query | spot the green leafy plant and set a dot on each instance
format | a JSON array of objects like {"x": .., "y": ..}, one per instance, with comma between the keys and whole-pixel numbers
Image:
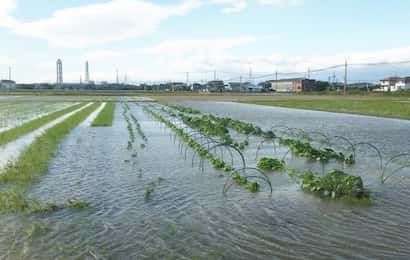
[
  {"x": 252, "y": 187},
  {"x": 238, "y": 179},
  {"x": 271, "y": 164},
  {"x": 187, "y": 110},
  {"x": 336, "y": 184}
]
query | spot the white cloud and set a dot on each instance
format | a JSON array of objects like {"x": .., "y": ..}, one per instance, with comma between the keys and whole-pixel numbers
[
  {"x": 178, "y": 48},
  {"x": 6, "y": 8},
  {"x": 96, "y": 23},
  {"x": 116, "y": 20},
  {"x": 199, "y": 47},
  {"x": 234, "y": 5},
  {"x": 280, "y": 2}
]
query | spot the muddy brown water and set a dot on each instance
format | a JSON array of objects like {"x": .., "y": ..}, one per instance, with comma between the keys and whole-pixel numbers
[{"x": 187, "y": 217}]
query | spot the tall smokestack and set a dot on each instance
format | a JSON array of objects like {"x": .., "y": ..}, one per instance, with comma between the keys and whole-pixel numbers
[
  {"x": 87, "y": 72},
  {"x": 59, "y": 72}
]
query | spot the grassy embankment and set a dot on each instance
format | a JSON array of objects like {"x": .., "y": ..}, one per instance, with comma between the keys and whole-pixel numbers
[
  {"x": 106, "y": 116},
  {"x": 32, "y": 163},
  {"x": 373, "y": 107},
  {"x": 16, "y": 132}
]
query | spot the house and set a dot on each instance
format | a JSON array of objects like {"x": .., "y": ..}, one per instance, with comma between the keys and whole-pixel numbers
[
  {"x": 198, "y": 87},
  {"x": 215, "y": 86},
  {"x": 235, "y": 87},
  {"x": 243, "y": 87},
  {"x": 7, "y": 84},
  {"x": 293, "y": 85},
  {"x": 392, "y": 84},
  {"x": 249, "y": 87}
]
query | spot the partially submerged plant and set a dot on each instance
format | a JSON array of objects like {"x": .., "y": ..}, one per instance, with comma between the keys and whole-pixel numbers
[
  {"x": 239, "y": 179},
  {"x": 271, "y": 164},
  {"x": 305, "y": 149},
  {"x": 252, "y": 186},
  {"x": 336, "y": 184},
  {"x": 184, "y": 109},
  {"x": 243, "y": 180},
  {"x": 150, "y": 190},
  {"x": 76, "y": 204},
  {"x": 15, "y": 201}
]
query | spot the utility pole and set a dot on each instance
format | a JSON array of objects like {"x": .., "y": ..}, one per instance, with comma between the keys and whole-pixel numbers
[
  {"x": 187, "y": 79},
  {"x": 308, "y": 75},
  {"x": 345, "y": 84},
  {"x": 276, "y": 81},
  {"x": 9, "y": 73},
  {"x": 250, "y": 73},
  {"x": 214, "y": 74}
]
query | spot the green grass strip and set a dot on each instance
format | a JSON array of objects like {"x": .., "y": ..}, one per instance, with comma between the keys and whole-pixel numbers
[
  {"x": 371, "y": 107},
  {"x": 34, "y": 160},
  {"x": 14, "y": 133},
  {"x": 106, "y": 116}
]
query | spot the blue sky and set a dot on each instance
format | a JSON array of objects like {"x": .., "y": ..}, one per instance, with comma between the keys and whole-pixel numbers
[{"x": 160, "y": 40}]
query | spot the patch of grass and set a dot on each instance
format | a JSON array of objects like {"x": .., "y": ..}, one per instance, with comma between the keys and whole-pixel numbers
[
  {"x": 372, "y": 107},
  {"x": 15, "y": 201},
  {"x": 106, "y": 116},
  {"x": 76, "y": 204},
  {"x": 34, "y": 160},
  {"x": 14, "y": 133}
]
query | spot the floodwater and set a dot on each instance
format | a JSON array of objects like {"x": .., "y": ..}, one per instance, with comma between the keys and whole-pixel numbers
[
  {"x": 9, "y": 152},
  {"x": 187, "y": 216}
]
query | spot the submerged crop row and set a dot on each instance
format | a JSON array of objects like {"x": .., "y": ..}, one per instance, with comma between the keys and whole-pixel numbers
[
  {"x": 34, "y": 160},
  {"x": 208, "y": 127},
  {"x": 131, "y": 133},
  {"x": 106, "y": 116},
  {"x": 336, "y": 184},
  {"x": 14, "y": 133},
  {"x": 32, "y": 163},
  {"x": 139, "y": 129},
  {"x": 214, "y": 125},
  {"x": 217, "y": 163}
]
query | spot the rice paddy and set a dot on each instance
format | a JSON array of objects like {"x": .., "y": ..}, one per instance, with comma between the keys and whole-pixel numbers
[{"x": 205, "y": 180}]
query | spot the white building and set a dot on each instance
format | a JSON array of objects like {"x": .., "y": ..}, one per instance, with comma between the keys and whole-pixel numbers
[
  {"x": 393, "y": 84},
  {"x": 7, "y": 84}
]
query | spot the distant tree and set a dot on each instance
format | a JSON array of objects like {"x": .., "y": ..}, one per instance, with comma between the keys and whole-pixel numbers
[{"x": 322, "y": 85}]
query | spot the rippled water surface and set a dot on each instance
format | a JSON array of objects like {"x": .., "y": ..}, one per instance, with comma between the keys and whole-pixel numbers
[{"x": 187, "y": 217}]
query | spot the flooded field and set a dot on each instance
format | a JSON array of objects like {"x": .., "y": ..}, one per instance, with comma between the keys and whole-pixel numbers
[
  {"x": 15, "y": 113},
  {"x": 150, "y": 196}
]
